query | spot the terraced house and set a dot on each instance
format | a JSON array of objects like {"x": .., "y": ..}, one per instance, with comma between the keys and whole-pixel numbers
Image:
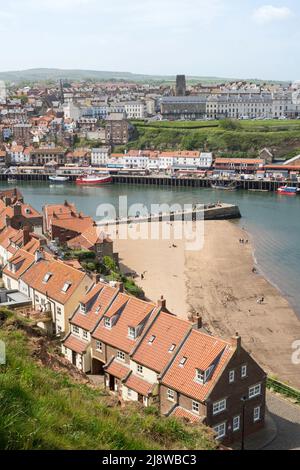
[{"x": 148, "y": 355}]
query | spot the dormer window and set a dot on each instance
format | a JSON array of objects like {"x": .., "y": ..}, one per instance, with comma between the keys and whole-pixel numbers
[
  {"x": 107, "y": 322},
  {"x": 152, "y": 339},
  {"x": 66, "y": 287},
  {"x": 183, "y": 361},
  {"x": 131, "y": 332},
  {"x": 172, "y": 348},
  {"x": 199, "y": 376},
  {"x": 47, "y": 277},
  {"x": 82, "y": 308}
]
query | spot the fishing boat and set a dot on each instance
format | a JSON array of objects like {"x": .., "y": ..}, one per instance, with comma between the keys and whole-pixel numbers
[
  {"x": 94, "y": 179},
  {"x": 288, "y": 190},
  {"x": 12, "y": 180},
  {"x": 226, "y": 187},
  {"x": 58, "y": 179}
]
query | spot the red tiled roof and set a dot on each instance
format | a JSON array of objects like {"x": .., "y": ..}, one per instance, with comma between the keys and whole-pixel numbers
[
  {"x": 201, "y": 351},
  {"x": 75, "y": 344},
  {"x": 74, "y": 223},
  {"x": 117, "y": 369},
  {"x": 134, "y": 312},
  {"x": 168, "y": 330},
  {"x": 181, "y": 413},
  {"x": 22, "y": 260},
  {"x": 60, "y": 274},
  {"x": 90, "y": 319},
  {"x": 139, "y": 385}
]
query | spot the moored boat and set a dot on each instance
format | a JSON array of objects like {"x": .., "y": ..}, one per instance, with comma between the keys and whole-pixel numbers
[
  {"x": 288, "y": 190},
  {"x": 94, "y": 179},
  {"x": 12, "y": 180},
  {"x": 224, "y": 186},
  {"x": 58, "y": 179}
]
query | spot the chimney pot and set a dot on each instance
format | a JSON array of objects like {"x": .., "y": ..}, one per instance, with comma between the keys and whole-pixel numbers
[
  {"x": 162, "y": 303},
  {"x": 236, "y": 341}
]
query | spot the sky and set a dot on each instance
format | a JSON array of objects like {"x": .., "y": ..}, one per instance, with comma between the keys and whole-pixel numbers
[{"x": 224, "y": 38}]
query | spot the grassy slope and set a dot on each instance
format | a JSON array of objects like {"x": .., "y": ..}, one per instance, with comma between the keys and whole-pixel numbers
[
  {"x": 249, "y": 137},
  {"x": 44, "y": 409}
]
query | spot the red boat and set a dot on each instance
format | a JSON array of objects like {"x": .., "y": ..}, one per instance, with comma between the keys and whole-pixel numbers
[
  {"x": 94, "y": 179},
  {"x": 288, "y": 190}
]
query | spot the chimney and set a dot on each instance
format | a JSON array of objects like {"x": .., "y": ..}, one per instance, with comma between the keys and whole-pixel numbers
[
  {"x": 7, "y": 221},
  {"x": 162, "y": 303},
  {"x": 26, "y": 235},
  {"x": 95, "y": 277},
  {"x": 199, "y": 322},
  {"x": 236, "y": 342},
  {"x": 17, "y": 209},
  {"x": 120, "y": 286}
]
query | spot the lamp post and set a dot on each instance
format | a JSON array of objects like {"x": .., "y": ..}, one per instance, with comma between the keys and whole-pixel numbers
[{"x": 244, "y": 400}]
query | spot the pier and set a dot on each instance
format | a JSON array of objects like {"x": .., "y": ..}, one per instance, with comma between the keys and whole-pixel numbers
[
  {"x": 259, "y": 185},
  {"x": 219, "y": 211}
]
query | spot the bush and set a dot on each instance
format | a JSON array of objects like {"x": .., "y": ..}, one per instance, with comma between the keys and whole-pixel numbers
[{"x": 229, "y": 125}]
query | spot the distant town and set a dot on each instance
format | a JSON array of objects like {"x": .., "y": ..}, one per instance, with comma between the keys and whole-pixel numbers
[{"x": 68, "y": 127}]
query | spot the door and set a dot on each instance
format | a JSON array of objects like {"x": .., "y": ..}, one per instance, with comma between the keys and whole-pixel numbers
[
  {"x": 111, "y": 383},
  {"x": 74, "y": 356}
]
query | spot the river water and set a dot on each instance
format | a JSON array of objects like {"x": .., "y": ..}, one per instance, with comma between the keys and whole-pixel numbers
[{"x": 273, "y": 221}]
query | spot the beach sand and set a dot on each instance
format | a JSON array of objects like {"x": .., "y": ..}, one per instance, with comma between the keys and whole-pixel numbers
[{"x": 218, "y": 283}]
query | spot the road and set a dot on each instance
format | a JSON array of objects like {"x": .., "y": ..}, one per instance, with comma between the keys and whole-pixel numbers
[{"x": 287, "y": 418}]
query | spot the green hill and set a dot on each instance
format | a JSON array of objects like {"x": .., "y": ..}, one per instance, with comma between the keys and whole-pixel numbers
[
  {"x": 43, "y": 406},
  {"x": 54, "y": 74},
  {"x": 241, "y": 138}
]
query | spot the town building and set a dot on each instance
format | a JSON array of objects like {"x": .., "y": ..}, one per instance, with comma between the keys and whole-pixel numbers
[
  {"x": 183, "y": 107},
  {"x": 180, "y": 89},
  {"x": 99, "y": 156},
  {"x": 116, "y": 129}
]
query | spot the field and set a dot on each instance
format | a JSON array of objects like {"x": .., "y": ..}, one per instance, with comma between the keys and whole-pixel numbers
[
  {"x": 244, "y": 138},
  {"x": 43, "y": 407}
]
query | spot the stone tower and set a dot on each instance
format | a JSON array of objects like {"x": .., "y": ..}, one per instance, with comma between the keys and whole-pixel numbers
[{"x": 180, "y": 85}]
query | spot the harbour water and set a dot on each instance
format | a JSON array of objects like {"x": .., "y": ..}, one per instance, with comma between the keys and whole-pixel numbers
[{"x": 272, "y": 221}]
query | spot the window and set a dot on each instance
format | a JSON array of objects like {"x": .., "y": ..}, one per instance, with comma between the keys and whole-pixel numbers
[
  {"x": 220, "y": 430},
  {"x": 59, "y": 329},
  {"x": 107, "y": 322},
  {"x": 66, "y": 287},
  {"x": 84, "y": 334},
  {"x": 36, "y": 297},
  {"x": 199, "y": 376},
  {"x": 98, "y": 346},
  {"x": 131, "y": 332},
  {"x": 66, "y": 350},
  {"x": 244, "y": 371},
  {"x": 82, "y": 308},
  {"x": 236, "y": 423},
  {"x": 47, "y": 277},
  {"x": 172, "y": 348},
  {"x": 256, "y": 414},
  {"x": 140, "y": 369},
  {"x": 183, "y": 361},
  {"x": 129, "y": 393},
  {"x": 219, "y": 406},
  {"x": 121, "y": 355},
  {"x": 195, "y": 407},
  {"x": 254, "y": 391},
  {"x": 75, "y": 330},
  {"x": 231, "y": 376},
  {"x": 171, "y": 394},
  {"x": 152, "y": 339},
  {"x": 58, "y": 311}
]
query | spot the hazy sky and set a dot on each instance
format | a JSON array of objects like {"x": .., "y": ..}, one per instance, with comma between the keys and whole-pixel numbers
[{"x": 228, "y": 38}]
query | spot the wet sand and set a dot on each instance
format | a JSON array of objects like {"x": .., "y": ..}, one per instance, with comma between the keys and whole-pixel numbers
[{"x": 218, "y": 283}]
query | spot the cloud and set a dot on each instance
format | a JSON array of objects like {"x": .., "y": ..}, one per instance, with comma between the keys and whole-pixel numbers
[{"x": 269, "y": 13}]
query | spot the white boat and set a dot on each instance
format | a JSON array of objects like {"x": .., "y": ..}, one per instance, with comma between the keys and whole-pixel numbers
[
  {"x": 12, "y": 180},
  {"x": 58, "y": 179}
]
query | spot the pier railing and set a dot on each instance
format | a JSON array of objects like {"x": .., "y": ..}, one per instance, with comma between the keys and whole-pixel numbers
[{"x": 284, "y": 389}]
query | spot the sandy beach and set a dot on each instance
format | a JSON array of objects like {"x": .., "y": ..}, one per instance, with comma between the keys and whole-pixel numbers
[{"x": 218, "y": 283}]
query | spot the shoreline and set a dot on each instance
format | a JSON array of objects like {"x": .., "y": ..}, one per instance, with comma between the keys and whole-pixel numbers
[{"x": 218, "y": 283}]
